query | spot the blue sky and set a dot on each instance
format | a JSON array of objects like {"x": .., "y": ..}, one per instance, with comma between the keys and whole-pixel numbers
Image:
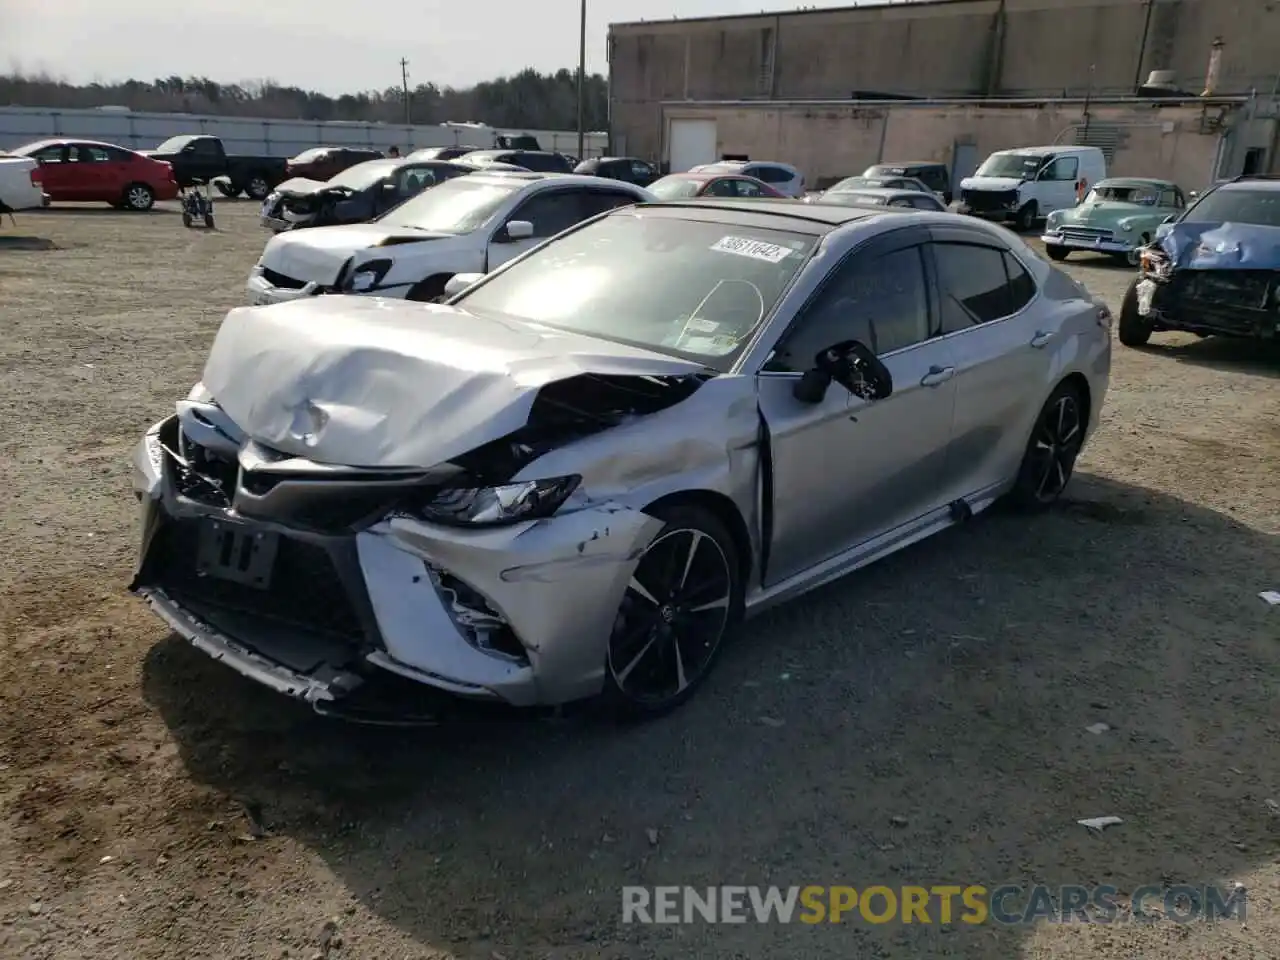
[{"x": 330, "y": 45}]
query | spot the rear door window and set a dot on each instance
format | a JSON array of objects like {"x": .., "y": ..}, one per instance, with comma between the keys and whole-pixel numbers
[{"x": 975, "y": 285}]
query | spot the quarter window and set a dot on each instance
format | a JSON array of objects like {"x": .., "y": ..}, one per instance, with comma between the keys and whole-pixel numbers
[
  {"x": 879, "y": 300},
  {"x": 979, "y": 284}
]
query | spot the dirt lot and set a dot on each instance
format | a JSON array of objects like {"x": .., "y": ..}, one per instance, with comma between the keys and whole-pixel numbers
[{"x": 923, "y": 722}]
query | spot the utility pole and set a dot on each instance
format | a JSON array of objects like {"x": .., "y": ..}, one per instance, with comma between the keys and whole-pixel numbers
[
  {"x": 582, "y": 82},
  {"x": 404, "y": 80}
]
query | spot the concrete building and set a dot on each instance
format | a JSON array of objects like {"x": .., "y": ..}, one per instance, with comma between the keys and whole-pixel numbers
[{"x": 817, "y": 87}]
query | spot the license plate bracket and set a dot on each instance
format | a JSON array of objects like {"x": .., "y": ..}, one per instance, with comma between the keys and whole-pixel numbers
[{"x": 237, "y": 552}]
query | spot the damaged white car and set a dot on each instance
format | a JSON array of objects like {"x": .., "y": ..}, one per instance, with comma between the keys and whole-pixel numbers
[
  {"x": 471, "y": 224},
  {"x": 571, "y": 480}
]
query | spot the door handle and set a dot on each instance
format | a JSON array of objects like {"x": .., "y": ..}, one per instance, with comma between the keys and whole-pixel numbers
[
  {"x": 937, "y": 375},
  {"x": 1041, "y": 339}
]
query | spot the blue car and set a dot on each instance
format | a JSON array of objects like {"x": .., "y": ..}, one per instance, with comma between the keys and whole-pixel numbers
[{"x": 1214, "y": 269}]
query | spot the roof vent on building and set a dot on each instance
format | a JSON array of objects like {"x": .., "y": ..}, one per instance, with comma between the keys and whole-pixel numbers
[{"x": 1162, "y": 83}]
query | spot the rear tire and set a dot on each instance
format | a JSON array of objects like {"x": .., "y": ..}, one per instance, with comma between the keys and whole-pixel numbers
[
  {"x": 186, "y": 219},
  {"x": 1051, "y": 451},
  {"x": 1057, "y": 253},
  {"x": 1133, "y": 330},
  {"x": 208, "y": 220},
  {"x": 683, "y": 597}
]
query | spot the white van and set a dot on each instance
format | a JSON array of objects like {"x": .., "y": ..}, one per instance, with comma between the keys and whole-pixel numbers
[{"x": 1029, "y": 183}]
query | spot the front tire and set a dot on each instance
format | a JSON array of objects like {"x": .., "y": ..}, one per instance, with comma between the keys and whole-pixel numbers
[
  {"x": 140, "y": 197},
  {"x": 682, "y": 598},
  {"x": 257, "y": 188},
  {"x": 1056, "y": 252},
  {"x": 1133, "y": 329},
  {"x": 1051, "y": 452},
  {"x": 1026, "y": 218}
]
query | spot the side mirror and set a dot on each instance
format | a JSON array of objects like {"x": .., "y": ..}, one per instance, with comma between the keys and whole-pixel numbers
[
  {"x": 518, "y": 230},
  {"x": 459, "y": 282},
  {"x": 1193, "y": 194},
  {"x": 851, "y": 364}
]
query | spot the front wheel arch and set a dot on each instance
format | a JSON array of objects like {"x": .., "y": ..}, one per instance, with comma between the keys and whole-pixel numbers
[
  {"x": 430, "y": 289},
  {"x": 724, "y": 510}
]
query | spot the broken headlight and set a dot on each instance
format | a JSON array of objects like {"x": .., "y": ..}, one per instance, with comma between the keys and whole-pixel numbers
[
  {"x": 1155, "y": 264},
  {"x": 492, "y": 506},
  {"x": 366, "y": 276}
]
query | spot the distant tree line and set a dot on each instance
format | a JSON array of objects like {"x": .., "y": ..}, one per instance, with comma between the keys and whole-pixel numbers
[{"x": 528, "y": 99}]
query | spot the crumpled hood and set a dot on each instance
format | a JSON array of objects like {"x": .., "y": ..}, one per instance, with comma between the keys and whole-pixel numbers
[
  {"x": 302, "y": 187},
  {"x": 1222, "y": 246},
  {"x": 372, "y": 382},
  {"x": 990, "y": 183},
  {"x": 317, "y": 255}
]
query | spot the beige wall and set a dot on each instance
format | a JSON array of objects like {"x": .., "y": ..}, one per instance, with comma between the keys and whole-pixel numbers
[
  {"x": 841, "y": 141},
  {"x": 941, "y": 49}
]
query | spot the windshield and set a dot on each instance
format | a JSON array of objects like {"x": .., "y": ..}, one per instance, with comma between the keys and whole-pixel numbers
[
  {"x": 861, "y": 197},
  {"x": 675, "y": 188},
  {"x": 456, "y": 206},
  {"x": 685, "y": 287},
  {"x": 1130, "y": 193},
  {"x": 1021, "y": 165},
  {"x": 880, "y": 171},
  {"x": 1258, "y": 207},
  {"x": 855, "y": 183},
  {"x": 174, "y": 144},
  {"x": 364, "y": 175}
]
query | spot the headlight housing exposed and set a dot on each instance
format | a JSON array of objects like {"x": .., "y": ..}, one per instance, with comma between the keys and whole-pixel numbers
[
  {"x": 498, "y": 505},
  {"x": 1155, "y": 264},
  {"x": 366, "y": 276}
]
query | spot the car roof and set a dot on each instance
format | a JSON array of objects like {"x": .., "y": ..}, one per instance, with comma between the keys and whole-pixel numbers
[
  {"x": 530, "y": 176},
  {"x": 907, "y": 163},
  {"x": 1134, "y": 182},
  {"x": 73, "y": 141},
  {"x": 1245, "y": 183},
  {"x": 783, "y": 214},
  {"x": 1052, "y": 148}
]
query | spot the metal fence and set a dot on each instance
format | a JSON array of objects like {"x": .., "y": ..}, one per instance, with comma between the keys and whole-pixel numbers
[{"x": 248, "y": 135}]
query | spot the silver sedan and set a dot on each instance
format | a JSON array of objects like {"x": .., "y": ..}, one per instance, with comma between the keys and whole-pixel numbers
[{"x": 573, "y": 479}]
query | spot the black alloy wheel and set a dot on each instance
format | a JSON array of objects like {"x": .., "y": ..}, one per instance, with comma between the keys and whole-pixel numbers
[
  {"x": 1051, "y": 453},
  {"x": 670, "y": 625}
]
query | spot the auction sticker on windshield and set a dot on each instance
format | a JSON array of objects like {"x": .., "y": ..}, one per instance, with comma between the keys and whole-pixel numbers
[{"x": 756, "y": 249}]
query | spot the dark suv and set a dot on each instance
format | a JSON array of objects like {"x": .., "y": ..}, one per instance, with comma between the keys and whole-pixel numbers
[
  {"x": 628, "y": 169},
  {"x": 539, "y": 161},
  {"x": 933, "y": 175}
]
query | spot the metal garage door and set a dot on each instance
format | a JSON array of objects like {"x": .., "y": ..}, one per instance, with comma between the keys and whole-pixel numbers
[{"x": 691, "y": 142}]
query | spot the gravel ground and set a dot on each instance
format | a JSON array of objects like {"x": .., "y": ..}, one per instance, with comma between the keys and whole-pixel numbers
[{"x": 921, "y": 722}]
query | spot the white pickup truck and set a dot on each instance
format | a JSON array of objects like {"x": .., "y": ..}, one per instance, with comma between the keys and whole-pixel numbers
[{"x": 20, "y": 187}]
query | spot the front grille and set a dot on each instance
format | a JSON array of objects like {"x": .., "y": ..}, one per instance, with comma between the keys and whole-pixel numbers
[
  {"x": 1236, "y": 289},
  {"x": 1086, "y": 234},
  {"x": 984, "y": 200},
  {"x": 205, "y": 477},
  {"x": 277, "y": 279},
  {"x": 305, "y": 589}
]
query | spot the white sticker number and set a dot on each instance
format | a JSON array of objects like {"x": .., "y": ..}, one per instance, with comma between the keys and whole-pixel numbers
[{"x": 756, "y": 249}]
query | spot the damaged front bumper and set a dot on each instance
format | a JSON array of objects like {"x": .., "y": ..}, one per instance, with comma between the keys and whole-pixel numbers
[
  {"x": 1231, "y": 302},
  {"x": 517, "y": 614}
]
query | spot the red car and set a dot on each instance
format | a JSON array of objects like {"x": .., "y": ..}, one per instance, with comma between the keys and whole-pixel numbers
[
  {"x": 685, "y": 186},
  {"x": 89, "y": 170},
  {"x": 323, "y": 163}
]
